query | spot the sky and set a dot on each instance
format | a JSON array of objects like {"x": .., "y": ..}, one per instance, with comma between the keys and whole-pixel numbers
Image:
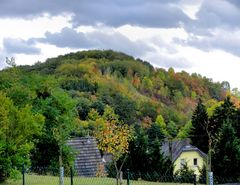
[{"x": 200, "y": 36}]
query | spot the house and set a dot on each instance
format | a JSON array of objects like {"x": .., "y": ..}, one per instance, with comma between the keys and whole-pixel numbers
[
  {"x": 88, "y": 157},
  {"x": 181, "y": 152}
]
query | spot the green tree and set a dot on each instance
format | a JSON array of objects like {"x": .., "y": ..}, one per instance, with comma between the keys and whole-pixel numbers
[
  {"x": 161, "y": 124},
  {"x": 21, "y": 95},
  {"x": 83, "y": 107},
  {"x": 224, "y": 124},
  {"x": 199, "y": 131},
  {"x": 147, "y": 85},
  {"x": 185, "y": 174},
  {"x": 145, "y": 155},
  {"x": 18, "y": 128},
  {"x": 226, "y": 157},
  {"x": 155, "y": 159},
  {"x": 137, "y": 157},
  {"x": 172, "y": 129},
  {"x": 185, "y": 131},
  {"x": 147, "y": 109},
  {"x": 222, "y": 113},
  {"x": 125, "y": 108},
  {"x": 59, "y": 111}
]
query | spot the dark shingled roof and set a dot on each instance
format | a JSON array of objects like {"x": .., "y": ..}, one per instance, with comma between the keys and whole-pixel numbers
[
  {"x": 88, "y": 155},
  {"x": 178, "y": 147}
]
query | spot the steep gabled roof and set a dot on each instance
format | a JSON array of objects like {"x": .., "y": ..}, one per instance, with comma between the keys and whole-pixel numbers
[
  {"x": 88, "y": 155},
  {"x": 178, "y": 147}
]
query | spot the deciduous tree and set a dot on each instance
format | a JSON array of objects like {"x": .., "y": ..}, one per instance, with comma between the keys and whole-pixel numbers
[
  {"x": 18, "y": 128},
  {"x": 114, "y": 138}
]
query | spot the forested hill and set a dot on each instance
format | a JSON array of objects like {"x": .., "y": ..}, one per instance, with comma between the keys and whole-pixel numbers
[
  {"x": 136, "y": 90},
  {"x": 79, "y": 93}
]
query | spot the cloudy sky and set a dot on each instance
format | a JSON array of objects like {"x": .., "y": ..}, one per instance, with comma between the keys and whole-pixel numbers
[{"x": 201, "y": 36}]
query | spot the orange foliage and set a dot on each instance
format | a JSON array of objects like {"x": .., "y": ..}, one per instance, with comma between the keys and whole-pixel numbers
[
  {"x": 188, "y": 104},
  {"x": 146, "y": 122},
  {"x": 136, "y": 81},
  {"x": 195, "y": 84},
  {"x": 236, "y": 101}
]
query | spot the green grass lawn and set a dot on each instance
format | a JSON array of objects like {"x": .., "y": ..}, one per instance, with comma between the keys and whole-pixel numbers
[{"x": 51, "y": 180}]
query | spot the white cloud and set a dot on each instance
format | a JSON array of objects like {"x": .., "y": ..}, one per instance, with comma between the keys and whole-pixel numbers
[
  {"x": 190, "y": 7},
  {"x": 47, "y": 51},
  {"x": 2, "y": 59},
  {"x": 217, "y": 64},
  {"x": 25, "y": 29},
  {"x": 166, "y": 61}
]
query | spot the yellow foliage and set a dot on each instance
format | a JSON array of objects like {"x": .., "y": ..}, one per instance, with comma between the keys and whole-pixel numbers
[
  {"x": 212, "y": 105},
  {"x": 80, "y": 123},
  {"x": 114, "y": 138}
]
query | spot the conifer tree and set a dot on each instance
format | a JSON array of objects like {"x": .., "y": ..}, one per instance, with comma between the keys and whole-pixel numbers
[
  {"x": 198, "y": 133},
  {"x": 226, "y": 158},
  {"x": 227, "y": 111}
]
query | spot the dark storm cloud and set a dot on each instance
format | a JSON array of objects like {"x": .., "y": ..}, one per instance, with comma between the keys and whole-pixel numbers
[
  {"x": 67, "y": 38},
  {"x": 235, "y": 2},
  {"x": 214, "y": 14},
  {"x": 119, "y": 42},
  {"x": 19, "y": 46},
  {"x": 95, "y": 40},
  {"x": 222, "y": 41},
  {"x": 217, "y": 13},
  {"x": 216, "y": 26},
  {"x": 155, "y": 13},
  {"x": 141, "y": 14}
]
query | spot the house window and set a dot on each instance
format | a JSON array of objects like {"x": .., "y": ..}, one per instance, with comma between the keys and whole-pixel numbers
[
  {"x": 195, "y": 162},
  {"x": 182, "y": 163}
]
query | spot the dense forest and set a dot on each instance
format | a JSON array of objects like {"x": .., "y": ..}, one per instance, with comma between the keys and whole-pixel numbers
[{"x": 72, "y": 95}]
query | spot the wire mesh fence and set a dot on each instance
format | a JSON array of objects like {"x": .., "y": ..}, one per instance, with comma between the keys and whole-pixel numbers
[{"x": 50, "y": 176}]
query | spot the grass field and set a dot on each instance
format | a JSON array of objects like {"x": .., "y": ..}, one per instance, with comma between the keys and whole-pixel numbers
[{"x": 51, "y": 180}]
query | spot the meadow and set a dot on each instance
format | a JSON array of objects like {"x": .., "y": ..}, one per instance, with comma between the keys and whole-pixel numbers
[{"x": 54, "y": 180}]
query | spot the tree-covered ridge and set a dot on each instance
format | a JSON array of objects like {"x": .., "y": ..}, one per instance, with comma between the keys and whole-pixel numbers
[
  {"x": 111, "y": 73},
  {"x": 72, "y": 93}
]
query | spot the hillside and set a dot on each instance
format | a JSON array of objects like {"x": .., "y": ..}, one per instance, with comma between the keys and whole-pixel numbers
[
  {"x": 68, "y": 92},
  {"x": 136, "y": 91}
]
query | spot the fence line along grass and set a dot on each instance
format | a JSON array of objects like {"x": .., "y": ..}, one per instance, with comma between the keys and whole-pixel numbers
[{"x": 31, "y": 179}]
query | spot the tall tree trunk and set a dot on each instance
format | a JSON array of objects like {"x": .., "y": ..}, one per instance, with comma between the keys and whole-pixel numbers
[
  {"x": 117, "y": 173},
  {"x": 121, "y": 177}
]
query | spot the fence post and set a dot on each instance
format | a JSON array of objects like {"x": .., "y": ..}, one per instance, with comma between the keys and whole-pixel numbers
[
  {"x": 211, "y": 180},
  {"x": 61, "y": 177},
  {"x": 195, "y": 180},
  {"x": 71, "y": 173},
  {"x": 23, "y": 174},
  {"x": 128, "y": 177}
]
